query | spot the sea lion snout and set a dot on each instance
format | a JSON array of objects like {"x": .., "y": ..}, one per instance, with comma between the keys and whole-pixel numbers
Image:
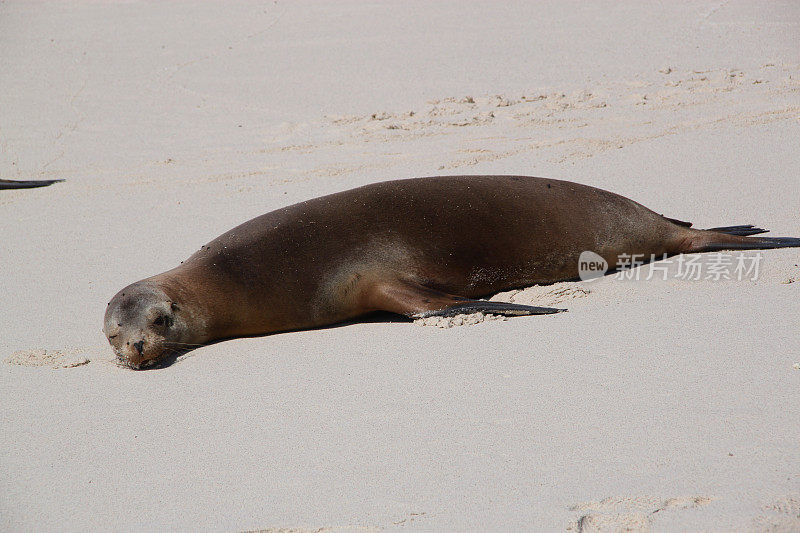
[{"x": 133, "y": 354}]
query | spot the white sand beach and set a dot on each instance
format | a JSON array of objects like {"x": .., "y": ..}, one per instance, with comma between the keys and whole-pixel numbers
[{"x": 652, "y": 405}]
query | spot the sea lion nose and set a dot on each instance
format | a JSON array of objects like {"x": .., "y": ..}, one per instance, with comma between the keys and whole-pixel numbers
[{"x": 138, "y": 346}]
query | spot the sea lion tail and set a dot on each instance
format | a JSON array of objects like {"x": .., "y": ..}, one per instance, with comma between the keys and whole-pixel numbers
[{"x": 737, "y": 238}]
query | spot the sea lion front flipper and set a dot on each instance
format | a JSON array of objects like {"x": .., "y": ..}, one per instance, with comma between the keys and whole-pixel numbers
[
  {"x": 494, "y": 308},
  {"x": 417, "y": 301}
]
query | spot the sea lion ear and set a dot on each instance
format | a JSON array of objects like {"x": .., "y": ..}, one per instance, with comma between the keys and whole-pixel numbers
[{"x": 174, "y": 306}]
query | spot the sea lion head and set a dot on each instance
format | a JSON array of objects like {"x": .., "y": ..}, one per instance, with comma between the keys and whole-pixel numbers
[{"x": 143, "y": 324}]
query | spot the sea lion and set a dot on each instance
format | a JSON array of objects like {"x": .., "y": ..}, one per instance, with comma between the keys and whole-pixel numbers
[{"x": 417, "y": 247}]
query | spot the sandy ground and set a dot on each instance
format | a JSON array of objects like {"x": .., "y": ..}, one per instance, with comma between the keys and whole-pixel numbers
[{"x": 665, "y": 405}]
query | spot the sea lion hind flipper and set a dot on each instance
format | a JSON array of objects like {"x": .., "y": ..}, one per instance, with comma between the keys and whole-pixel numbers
[
  {"x": 753, "y": 243},
  {"x": 735, "y": 238},
  {"x": 418, "y": 301},
  {"x": 744, "y": 230}
]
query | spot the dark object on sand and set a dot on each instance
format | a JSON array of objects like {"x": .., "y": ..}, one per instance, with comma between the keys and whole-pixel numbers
[{"x": 14, "y": 184}]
